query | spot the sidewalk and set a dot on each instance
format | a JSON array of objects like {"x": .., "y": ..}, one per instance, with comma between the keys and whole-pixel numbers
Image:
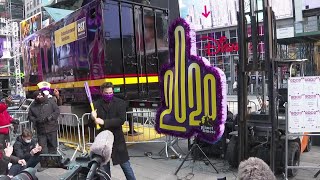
[{"x": 146, "y": 168}]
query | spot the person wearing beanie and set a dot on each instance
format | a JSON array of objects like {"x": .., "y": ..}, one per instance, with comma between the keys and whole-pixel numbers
[{"x": 255, "y": 168}]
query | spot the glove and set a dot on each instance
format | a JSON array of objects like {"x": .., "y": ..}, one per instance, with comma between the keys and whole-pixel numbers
[
  {"x": 15, "y": 122},
  {"x": 49, "y": 118}
]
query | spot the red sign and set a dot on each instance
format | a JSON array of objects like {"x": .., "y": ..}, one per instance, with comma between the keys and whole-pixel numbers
[{"x": 219, "y": 46}]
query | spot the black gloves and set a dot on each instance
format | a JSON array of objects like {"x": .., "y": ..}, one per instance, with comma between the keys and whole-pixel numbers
[
  {"x": 15, "y": 122},
  {"x": 49, "y": 118}
]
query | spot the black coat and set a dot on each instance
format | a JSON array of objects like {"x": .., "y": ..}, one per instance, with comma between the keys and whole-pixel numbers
[
  {"x": 44, "y": 116},
  {"x": 114, "y": 116},
  {"x": 21, "y": 149}
]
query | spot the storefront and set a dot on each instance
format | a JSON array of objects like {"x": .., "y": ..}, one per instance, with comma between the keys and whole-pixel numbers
[{"x": 221, "y": 48}]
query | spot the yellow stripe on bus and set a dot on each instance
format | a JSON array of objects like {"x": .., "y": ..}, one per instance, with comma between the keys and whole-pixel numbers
[{"x": 98, "y": 82}]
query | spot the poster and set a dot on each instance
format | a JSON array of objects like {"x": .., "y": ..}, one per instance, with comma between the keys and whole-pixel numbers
[
  {"x": 304, "y": 104},
  {"x": 30, "y": 25}
]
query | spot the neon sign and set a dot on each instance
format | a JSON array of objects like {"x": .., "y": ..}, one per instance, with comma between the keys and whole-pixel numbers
[
  {"x": 193, "y": 100},
  {"x": 219, "y": 46}
]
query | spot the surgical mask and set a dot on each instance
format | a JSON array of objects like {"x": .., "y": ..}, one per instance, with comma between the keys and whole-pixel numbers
[
  {"x": 107, "y": 97},
  {"x": 27, "y": 141},
  {"x": 46, "y": 92}
]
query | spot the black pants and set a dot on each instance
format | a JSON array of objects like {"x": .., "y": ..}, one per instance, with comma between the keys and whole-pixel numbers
[
  {"x": 48, "y": 142},
  {"x": 3, "y": 139},
  {"x": 17, "y": 168}
]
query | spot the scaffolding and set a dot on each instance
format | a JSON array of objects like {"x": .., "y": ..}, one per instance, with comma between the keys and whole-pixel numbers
[{"x": 13, "y": 12}]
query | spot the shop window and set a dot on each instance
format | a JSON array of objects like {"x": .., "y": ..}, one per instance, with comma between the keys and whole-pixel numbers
[
  {"x": 217, "y": 35},
  {"x": 233, "y": 33}
]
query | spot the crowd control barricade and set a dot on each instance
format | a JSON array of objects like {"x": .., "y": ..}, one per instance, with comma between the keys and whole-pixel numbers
[
  {"x": 16, "y": 130},
  {"x": 142, "y": 121},
  {"x": 20, "y": 115},
  {"x": 88, "y": 134},
  {"x": 69, "y": 132},
  {"x": 233, "y": 106}
]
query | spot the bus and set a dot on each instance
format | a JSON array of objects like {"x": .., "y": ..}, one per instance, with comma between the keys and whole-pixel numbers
[{"x": 116, "y": 41}]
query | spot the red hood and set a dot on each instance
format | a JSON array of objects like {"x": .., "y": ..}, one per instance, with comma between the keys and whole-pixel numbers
[{"x": 3, "y": 107}]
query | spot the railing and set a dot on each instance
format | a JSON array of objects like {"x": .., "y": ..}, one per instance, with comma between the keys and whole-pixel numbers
[
  {"x": 233, "y": 106},
  {"x": 141, "y": 121},
  {"x": 307, "y": 27},
  {"x": 69, "y": 132}
]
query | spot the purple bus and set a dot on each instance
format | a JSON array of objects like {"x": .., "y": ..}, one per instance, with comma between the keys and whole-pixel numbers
[{"x": 104, "y": 41}]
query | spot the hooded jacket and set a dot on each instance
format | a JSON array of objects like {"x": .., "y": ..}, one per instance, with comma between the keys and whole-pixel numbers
[
  {"x": 21, "y": 149},
  {"x": 5, "y": 118}
]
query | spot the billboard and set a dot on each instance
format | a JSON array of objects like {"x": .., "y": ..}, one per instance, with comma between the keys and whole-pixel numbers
[
  {"x": 213, "y": 14},
  {"x": 70, "y": 33},
  {"x": 30, "y": 25}
]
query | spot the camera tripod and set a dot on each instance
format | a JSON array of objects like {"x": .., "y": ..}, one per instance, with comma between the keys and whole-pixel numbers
[{"x": 195, "y": 145}]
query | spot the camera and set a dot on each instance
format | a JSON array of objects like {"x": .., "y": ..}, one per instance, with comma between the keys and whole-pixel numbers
[{"x": 27, "y": 174}]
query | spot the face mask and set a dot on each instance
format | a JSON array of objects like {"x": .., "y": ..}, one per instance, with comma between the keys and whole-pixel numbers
[
  {"x": 40, "y": 100},
  {"x": 27, "y": 141},
  {"x": 107, "y": 97},
  {"x": 46, "y": 92}
]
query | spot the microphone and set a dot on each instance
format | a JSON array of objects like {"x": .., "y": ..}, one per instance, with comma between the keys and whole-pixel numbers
[
  {"x": 100, "y": 151},
  {"x": 94, "y": 164}
]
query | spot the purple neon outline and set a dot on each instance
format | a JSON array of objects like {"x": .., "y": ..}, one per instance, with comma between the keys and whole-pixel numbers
[{"x": 221, "y": 107}]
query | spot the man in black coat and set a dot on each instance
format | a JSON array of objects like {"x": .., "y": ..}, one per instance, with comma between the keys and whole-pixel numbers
[
  {"x": 25, "y": 148},
  {"x": 44, "y": 115},
  {"x": 110, "y": 114}
]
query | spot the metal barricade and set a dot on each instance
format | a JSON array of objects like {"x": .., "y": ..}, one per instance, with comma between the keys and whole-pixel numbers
[
  {"x": 20, "y": 115},
  {"x": 233, "y": 106},
  {"x": 142, "y": 121},
  {"x": 69, "y": 131},
  {"x": 88, "y": 134},
  {"x": 16, "y": 130}
]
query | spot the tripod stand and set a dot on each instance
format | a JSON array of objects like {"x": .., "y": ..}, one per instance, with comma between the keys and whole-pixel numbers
[
  {"x": 317, "y": 174},
  {"x": 193, "y": 147}
]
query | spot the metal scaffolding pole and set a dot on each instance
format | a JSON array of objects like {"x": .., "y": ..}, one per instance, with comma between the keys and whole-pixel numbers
[{"x": 12, "y": 27}]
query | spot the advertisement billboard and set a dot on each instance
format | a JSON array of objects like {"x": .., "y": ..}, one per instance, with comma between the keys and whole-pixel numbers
[
  {"x": 30, "y": 25},
  {"x": 70, "y": 33},
  {"x": 209, "y": 14}
]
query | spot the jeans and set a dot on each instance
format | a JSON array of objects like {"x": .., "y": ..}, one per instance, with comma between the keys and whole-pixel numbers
[{"x": 126, "y": 168}]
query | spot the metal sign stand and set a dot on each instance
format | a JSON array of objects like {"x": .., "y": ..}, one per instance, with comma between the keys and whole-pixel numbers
[{"x": 300, "y": 132}]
